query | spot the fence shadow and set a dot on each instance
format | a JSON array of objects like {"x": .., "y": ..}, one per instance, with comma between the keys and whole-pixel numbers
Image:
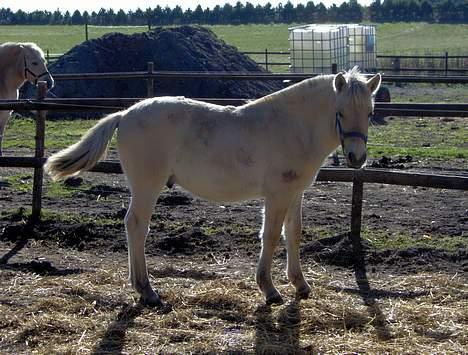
[
  {"x": 43, "y": 268},
  {"x": 20, "y": 244}
]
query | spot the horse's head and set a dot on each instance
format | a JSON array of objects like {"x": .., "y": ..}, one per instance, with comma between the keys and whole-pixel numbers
[
  {"x": 354, "y": 105},
  {"x": 32, "y": 60}
]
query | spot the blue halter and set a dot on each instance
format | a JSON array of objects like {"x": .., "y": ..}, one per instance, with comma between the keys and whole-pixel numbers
[
  {"x": 36, "y": 77},
  {"x": 343, "y": 135}
]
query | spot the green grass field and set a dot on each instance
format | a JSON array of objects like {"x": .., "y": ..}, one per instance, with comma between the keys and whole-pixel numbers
[
  {"x": 441, "y": 139},
  {"x": 391, "y": 37}
]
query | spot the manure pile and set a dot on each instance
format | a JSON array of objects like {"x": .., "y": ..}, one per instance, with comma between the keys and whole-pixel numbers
[{"x": 185, "y": 48}]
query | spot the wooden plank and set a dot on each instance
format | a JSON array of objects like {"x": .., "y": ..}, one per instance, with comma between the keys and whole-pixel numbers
[
  {"x": 114, "y": 104},
  {"x": 460, "y": 79},
  {"x": 370, "y": 176},
  {"x": 39, "y": 153},
  {"x": 356, "y": 217}
]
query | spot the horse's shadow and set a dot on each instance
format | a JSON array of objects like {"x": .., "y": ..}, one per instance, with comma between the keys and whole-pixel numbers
[
  {"x": 278, "y": 335},
  {"x": 114, "y": 338}
]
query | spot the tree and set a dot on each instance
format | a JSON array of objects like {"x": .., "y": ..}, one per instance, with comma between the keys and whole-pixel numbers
[
  {"x": 67, "y": 18},
  {"x": 309, "y": 15},
  {"x": 427, "y": 12},
  {"x": 355, "y": 12},
  {"x": 322, "y": 15},
  {"x": 76, "y": 18},
  {"x": 375, "y": 11},
  {"x": 177, "y": 15},
  {"x": 289, "y": 14},
  {"x": 121, "y": 18},
  {"x": 228, "y": 11},
  {"x": 85, "y": 17},
  {"x": 198, "y": 16}
]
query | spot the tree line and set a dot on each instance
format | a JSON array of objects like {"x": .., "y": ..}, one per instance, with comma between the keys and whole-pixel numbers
[{"x": 444, "y": 11}]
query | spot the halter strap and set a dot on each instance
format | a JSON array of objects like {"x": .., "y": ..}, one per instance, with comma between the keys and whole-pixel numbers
[
  {"x": 27, "y": 70},
  {"x": 343, "y": 135}
]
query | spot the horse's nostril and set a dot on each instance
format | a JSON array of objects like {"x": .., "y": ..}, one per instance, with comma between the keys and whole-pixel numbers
[{"x": 351, "y": 157}]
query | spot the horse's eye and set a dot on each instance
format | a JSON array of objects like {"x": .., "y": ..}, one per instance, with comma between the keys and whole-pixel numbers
[{"x": 34, "y": 63}]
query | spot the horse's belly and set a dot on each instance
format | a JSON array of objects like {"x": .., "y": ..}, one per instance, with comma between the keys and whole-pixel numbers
[{"x": 218, "y": 185}]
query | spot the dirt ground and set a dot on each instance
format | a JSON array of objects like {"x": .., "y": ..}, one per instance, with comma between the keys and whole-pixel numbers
[{"x": 216, "y": 247}]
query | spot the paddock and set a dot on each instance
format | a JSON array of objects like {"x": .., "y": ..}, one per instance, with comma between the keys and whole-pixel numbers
[{"x": 61, "y": 295}]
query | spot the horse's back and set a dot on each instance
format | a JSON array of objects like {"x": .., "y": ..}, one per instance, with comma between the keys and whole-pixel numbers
[{"x": 205, "y": 148}]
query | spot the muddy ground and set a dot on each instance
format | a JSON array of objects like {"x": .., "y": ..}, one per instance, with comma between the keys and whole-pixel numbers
[
  {"x": 86, "y": 231},
  {"x": 92, "y": 219}
]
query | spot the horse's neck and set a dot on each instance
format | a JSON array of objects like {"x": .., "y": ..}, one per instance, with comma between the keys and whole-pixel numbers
[
  {"x": 10, "y": 78},
  {"x": 309, "y": 96},
  {"x": 314, "y": 103}
]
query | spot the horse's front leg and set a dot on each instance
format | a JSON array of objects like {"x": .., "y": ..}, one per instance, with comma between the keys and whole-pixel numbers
[
  {"x": 293, "y": 231},
  {"x": 137, "y": 226},
  {"x": 275, "y": 210}
]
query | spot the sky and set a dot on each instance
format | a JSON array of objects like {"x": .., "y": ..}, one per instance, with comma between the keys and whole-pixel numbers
[{"x": 93, "y": 5}]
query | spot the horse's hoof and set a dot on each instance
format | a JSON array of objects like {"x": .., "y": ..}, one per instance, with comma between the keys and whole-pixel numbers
[
  {"x": 303, "y": 293},
  {"x": 153, "y": 301},
  {"x": 274, "y": 299}
]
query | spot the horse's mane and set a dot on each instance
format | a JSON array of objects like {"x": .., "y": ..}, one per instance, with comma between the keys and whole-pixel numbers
[
  {"x": 356, "y": 83},
  {"x": 8, "y": 46},
  {"x": 357, "y": 86}
]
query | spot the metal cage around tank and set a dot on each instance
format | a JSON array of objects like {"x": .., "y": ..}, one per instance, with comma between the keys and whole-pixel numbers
[{"x": 314, "y": 48}]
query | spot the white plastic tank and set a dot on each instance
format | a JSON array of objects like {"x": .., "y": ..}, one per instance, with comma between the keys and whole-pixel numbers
[
  {"x": 362, "y": 46},
  {"x": 314, "y": 48}
]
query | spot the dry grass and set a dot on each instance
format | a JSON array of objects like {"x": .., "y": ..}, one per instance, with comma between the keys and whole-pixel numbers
[{"x": 217, "y": 308}]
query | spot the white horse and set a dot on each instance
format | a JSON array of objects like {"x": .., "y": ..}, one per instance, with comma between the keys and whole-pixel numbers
[
  {"x": 19, "y": 62},
  {"x": 272, "y": 147}
]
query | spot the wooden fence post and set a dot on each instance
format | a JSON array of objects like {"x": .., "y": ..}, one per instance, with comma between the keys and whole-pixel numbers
[
  {"x": 150, "y": 80},
  {"x": 266, "y": 59},
  {"x": 446, "y": 63},
  {"x": 39, "y": 153},
  {"x": 356, "y": 215}
]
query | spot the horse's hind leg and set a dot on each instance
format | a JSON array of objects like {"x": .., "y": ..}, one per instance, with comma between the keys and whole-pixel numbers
[
  {"x": 293, "y": 231},
  {"x": 275, "y": 210},
  {"x": 144, "y": 194},
  {"x": 4, "y": 115}
]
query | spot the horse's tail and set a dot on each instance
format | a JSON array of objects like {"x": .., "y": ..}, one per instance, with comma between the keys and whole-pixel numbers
[{"x": 84, "y": 154}]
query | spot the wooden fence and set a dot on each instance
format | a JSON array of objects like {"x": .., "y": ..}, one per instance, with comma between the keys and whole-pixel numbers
[
  {"x": 151, "y": 74},
  {"x": 357, "y": 177},
  {"x": 443, "y": 64}
]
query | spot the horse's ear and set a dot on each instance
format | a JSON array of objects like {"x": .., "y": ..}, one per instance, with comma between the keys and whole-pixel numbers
[
  {"x": 339, "y": 82},
  {"x": 374, "y": 83}
]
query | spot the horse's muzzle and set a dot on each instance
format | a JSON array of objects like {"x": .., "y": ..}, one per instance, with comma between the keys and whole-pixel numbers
[
  {"x": 355, "y": 163},
  {"x": 50, "y": 82}
]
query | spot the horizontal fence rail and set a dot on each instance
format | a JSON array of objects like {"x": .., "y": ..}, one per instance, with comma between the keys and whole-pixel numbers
[
  {"x": 367, "y": 175},
  {"x": 460, "y": 79},
  {"x": 111, "y": 104}
]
